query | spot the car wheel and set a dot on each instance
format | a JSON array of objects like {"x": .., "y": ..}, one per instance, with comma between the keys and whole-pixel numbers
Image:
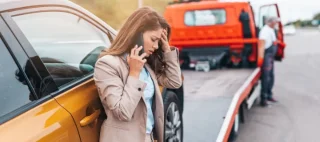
[{"x": 173, "y": 125}]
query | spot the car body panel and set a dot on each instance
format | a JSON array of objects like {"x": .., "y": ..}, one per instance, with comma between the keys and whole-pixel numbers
[
  {"x": 85, "y": 101},
  {"x": 44, "y": 123}
]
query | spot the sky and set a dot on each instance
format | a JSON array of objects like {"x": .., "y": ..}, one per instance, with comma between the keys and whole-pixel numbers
[{"x": 291, "y": 10}]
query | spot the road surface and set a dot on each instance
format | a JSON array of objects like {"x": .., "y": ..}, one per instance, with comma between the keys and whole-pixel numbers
[{"x": 296, "y": 118}]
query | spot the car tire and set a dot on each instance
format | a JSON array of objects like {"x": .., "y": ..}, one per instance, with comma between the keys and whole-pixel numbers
[{"x": 173, "y": 121}]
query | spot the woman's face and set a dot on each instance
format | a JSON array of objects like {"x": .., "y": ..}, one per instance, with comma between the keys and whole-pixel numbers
[{"x": 151, "y": 40}]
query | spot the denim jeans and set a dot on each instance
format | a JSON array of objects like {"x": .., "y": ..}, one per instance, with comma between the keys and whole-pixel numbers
[{"x": 267, "y": 77}]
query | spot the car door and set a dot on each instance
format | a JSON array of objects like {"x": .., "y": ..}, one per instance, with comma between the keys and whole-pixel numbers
[
  {"x": 273, "y": 10},
  {"x": 24, "y": 115},
  {"x": 68, "y": 43}
]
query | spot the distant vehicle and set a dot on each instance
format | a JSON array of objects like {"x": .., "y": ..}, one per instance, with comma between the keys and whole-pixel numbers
[
  {"x": 289, "y": 30},
  {"x": 221, "y": 33}
]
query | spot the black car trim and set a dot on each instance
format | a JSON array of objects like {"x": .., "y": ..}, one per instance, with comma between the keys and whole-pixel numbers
[
  {"x": 14, "y": 48},
  {"x": 31, "y": 53}
]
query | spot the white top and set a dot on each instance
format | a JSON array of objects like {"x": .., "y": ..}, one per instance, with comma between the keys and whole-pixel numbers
[{"x": 268, "y": 35}]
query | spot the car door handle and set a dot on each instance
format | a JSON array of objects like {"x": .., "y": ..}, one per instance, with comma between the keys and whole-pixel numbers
[{"x": 89, "y": 119}]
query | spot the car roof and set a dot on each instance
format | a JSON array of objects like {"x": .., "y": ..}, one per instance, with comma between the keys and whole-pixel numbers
[
  {"x": 8, "y": 5},
  {"x": 11, "y": 5}
]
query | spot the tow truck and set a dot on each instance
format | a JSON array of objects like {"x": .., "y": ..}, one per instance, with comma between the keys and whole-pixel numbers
[{"x": 223, "y": 34}]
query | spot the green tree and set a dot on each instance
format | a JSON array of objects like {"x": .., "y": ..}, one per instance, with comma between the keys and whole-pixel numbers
[{"x": 316, "y": 17}]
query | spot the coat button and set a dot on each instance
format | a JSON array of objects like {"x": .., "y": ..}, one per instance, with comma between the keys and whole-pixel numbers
[{"x": 139, "y": 89}]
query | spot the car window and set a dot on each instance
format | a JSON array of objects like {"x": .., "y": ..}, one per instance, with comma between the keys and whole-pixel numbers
[
  {"x": 67, "y": 44},
  {"x": 205, "y": 17},
  {"x": 14, "y": 90}
]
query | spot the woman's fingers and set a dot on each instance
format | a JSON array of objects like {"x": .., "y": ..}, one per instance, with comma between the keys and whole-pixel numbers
[
  {"x": 166, "y": 32},
  {"x": 143, "y": 56},
  {"x": 133, "y": 50},
  {"x": 164, "y": 36},
  {"x": 138, "y": 50},
  {"x": 144, "y": 61}
]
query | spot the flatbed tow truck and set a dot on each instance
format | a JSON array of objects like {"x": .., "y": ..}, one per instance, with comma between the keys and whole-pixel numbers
[{"x": 225, "y": 43}]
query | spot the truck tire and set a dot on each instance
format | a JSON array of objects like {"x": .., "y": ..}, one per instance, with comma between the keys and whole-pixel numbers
[
  {"x": 173, "y": 121},
  {"x": 235, "y": 129},
  {"x": 242, "y": 113}
]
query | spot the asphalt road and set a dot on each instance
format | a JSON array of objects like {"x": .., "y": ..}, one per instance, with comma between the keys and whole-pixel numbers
[{"x": 296, "y": 118}]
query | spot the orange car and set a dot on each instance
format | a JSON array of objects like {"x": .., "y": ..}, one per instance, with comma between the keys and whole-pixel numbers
[
  {"x": 48, "y": 49},
  {"x": 207, "y": 30}
]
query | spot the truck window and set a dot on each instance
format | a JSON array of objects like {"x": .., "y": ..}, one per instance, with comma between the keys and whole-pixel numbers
[{"x": 205, "y": 17}]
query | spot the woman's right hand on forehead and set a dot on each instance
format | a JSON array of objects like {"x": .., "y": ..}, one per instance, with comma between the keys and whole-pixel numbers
[{"x": 136, "y": 62}]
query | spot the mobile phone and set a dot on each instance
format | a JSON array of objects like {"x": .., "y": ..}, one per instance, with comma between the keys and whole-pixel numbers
[{"x": 140, "y": 43}]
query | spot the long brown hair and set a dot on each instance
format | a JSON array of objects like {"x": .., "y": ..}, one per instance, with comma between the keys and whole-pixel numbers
[{"x": 142, "y": 20}]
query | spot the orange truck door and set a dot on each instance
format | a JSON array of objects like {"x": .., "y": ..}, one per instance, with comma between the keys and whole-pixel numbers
[{"x": 273, "y": 10}]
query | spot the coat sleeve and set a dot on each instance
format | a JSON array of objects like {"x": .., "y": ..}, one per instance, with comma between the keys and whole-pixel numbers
[
  {"x": 120, "y": 97},
  {"x": 172, "y": 76}
]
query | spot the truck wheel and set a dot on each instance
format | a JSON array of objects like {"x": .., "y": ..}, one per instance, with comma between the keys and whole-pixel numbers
[
  {"x": 242, "y": 110},
  {"x": 186, "y": 62},
  {"x": 235, "y": 129},
  {"x": 173, "y": 125}
]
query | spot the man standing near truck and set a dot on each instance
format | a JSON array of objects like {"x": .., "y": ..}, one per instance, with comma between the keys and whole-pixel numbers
[{"x": 268, "y": 34}]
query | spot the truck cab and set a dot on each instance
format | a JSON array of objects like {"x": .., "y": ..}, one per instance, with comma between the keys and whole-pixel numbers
[{"x": 222, "y": 33}]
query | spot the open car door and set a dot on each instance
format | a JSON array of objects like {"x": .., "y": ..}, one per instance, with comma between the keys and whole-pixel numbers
[{"x": 273, "y": 10}]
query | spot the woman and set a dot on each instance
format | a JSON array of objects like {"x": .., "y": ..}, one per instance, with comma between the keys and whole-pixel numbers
[{"x": 128, "y": 82}]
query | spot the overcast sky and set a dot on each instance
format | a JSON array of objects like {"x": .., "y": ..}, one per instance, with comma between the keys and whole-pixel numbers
[{"x": 291, "y": 10}]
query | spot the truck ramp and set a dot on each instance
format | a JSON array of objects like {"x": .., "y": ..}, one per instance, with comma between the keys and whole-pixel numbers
[{"x": 209, "y": 98}]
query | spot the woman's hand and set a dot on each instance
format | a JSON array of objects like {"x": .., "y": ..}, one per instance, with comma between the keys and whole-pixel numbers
[
  {"x": 165, "y": 44},
  {"x": 136, "y": 62}
]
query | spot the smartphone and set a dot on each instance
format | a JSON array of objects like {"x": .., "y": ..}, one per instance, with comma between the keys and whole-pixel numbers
[{"x": 140, "y": 43}]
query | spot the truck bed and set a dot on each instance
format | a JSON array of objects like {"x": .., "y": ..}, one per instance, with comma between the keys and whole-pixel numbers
[{"x": 211, "y": 98}]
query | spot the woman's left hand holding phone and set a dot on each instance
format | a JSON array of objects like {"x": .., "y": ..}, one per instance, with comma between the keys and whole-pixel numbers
[{"x": 136, "y": 62}]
